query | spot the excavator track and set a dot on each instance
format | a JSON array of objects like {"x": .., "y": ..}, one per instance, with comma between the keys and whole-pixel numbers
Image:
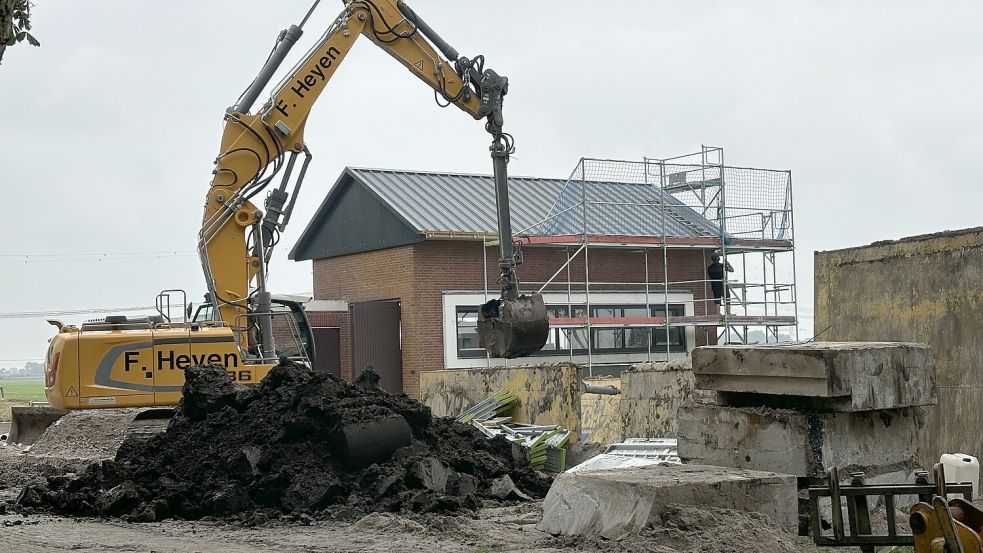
[{"x": 147, "y": 424}]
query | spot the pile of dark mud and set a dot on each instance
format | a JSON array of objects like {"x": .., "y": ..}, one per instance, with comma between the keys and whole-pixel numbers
[{"x": 252, "y": 453}]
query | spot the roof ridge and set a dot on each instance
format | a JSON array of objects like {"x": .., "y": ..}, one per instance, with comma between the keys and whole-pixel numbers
[
  {"x": 443, "y": 173},
  {"x": 485, "y": 175}
]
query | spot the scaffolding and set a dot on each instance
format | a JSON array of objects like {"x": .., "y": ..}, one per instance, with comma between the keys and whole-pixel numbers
[{"x": 658, "y": 206}]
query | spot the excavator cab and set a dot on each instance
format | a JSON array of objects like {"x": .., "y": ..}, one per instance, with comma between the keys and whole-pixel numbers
[{"x": 290, "y": 325}]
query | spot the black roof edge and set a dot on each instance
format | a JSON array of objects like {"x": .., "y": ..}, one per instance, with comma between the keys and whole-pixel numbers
[
  {"x": 351, "y": 173},
  {"x": 354, "y": 172},
  {"x": 322, "y": 209}
]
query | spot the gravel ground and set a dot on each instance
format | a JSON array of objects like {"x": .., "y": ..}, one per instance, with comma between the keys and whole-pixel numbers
[{"x": 493, "y": 530}]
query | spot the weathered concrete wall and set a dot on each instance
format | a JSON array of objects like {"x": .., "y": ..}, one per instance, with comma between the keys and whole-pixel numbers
[
  {"x": 548, "y": 394},
  {"x": 925, "y": 289},
  {"x": 600, "y": 417},
  {"x": 651, "y": 394},
  {"x": 803, "y": 444}
]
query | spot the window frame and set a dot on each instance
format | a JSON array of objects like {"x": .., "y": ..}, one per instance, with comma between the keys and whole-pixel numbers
[{"x": 562, "y": 335}]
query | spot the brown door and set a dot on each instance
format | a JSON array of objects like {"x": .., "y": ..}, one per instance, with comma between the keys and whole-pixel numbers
[
  {"x": 375, "y": 342},
  {"x": 327, "y": 344}
]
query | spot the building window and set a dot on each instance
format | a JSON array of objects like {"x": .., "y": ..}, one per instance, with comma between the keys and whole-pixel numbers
[
  {"x": 633, "y": 340},
  {"x": 604, "y": 340},
  {"x": 675, "y": 335},
  {"x": 467, "y": 332},
  {"x": 557, "y": 339}
]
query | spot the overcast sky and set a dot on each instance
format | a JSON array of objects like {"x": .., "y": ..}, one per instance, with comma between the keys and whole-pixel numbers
[{"x": 109, "y": 129}]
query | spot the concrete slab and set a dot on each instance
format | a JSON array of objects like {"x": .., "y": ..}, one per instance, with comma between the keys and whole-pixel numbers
[
  {"x": 651, "y": 393},
  {"x": 616, "y": 503},
  {"x": 803, "y": 444},
  {"x": 842, "y": 376}
]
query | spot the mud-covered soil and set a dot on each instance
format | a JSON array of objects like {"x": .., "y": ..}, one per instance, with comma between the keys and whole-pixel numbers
[
  {"x": 252, "y": 454},
  {"x": 18, "y": 469},
  {"x": 684, "y": 530}
]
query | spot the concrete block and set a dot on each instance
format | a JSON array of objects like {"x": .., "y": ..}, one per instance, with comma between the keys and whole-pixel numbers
[
  {"x": 841, "y": 376},
  {"x": 616, "y": 503},
  {"x": 651, "y": 393},
  {"x": 803, "y": 444}
]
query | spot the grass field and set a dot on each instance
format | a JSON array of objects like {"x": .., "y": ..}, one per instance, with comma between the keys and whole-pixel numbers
[{"x": 18, "y": 391}]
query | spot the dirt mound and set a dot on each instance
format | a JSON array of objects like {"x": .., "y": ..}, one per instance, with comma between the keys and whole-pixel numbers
[{"x": 270, "y": 450}]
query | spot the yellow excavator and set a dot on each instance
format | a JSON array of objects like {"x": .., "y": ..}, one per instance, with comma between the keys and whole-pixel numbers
[{"x": 124, "y": 362}]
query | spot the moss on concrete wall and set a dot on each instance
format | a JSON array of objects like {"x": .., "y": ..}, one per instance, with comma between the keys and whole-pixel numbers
[
  {"x": 600, "y": 414},
  {"x": 921, "y": 289},
  {"x": 552, "y": 394},
  {"x": 548, "y": 394}
]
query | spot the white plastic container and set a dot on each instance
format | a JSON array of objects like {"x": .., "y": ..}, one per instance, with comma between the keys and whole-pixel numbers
[{"x": 960, "y": 467}]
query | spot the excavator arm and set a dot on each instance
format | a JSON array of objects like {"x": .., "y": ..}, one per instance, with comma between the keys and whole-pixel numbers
[{"x": 237, "y": 237}]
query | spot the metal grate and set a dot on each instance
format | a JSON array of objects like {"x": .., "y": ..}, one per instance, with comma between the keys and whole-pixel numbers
[
  {"x": 858, "y": 528},
  {"x": 631, "y": 453}
]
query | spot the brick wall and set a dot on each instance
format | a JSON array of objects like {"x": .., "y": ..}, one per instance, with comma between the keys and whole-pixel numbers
[{"x": 418, "y": 274}]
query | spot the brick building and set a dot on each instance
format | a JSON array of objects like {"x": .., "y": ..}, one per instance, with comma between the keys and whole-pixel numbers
[{"x": 402, "y": 259}]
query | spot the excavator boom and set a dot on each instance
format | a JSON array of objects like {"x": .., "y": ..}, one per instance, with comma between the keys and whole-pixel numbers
[
  {"x": 123, "y": 362},
  {"x": 237, "y": 237}
]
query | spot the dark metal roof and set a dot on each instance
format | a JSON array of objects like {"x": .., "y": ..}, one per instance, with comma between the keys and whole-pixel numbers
[
  {"x": 433, "y": 203},
  {"x": 448, "y": 202}
]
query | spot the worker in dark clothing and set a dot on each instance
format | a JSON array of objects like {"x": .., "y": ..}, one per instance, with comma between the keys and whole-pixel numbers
[{"x": 718, "y": 280}]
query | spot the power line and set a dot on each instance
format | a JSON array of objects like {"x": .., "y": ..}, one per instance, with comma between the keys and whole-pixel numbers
[
  {"x": 63, "y": 312},
  {"x": 67, "y": 254},
  {"x": 73, "y": 257}
]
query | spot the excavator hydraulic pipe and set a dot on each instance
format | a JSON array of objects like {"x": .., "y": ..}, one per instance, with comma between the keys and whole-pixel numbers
[
  {"x": 510, "y": 288},
  {"x": 428, "y": 31},
  {"x": 290, "y": 37}
]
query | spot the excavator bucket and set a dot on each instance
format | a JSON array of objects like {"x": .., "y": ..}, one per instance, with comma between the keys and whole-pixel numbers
[
  {"x": 360, "y": 444},
  {"x": 28, "y": 423},
  {"x": 513, "y": 328}
]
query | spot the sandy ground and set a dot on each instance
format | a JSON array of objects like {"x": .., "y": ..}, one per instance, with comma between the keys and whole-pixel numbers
[
  {"x": 493, "y": 530},
  {"x": 376, "y": 533}
]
